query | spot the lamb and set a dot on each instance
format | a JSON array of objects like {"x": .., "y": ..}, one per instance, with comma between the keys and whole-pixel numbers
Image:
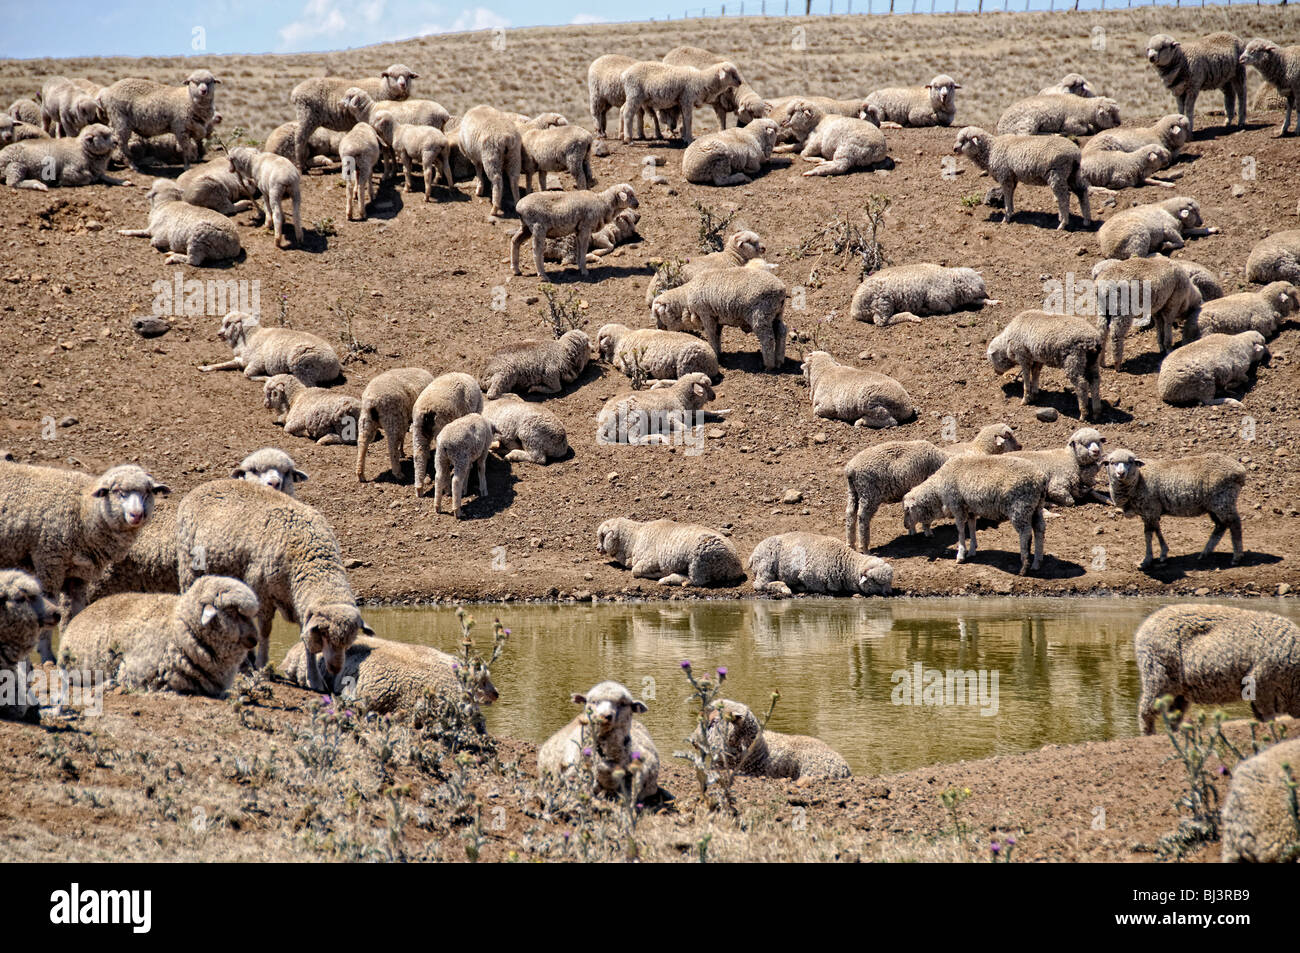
[
  {"x": 654, "y": 86},
  {"x": 37, "y": 164},
  {"x": 151, "y": 109},
  {"x": 445, "y": 399},
  {"x": 1261, "y": 311},
  {"x": 264, "y": 352},
  {"x": 1211, "y": 62},
  {"x": 543, "y": 367},
  {"x": 1280, "y": 66},
  {"x": 746, "y": 298},
  {"x": 192, "y": 644},
  {"x": 1071, "y": 471},
  {"x": 621, "y": 229},
  {"x": 655, "y": 415},
  {"x": 544, "y": 215},
  {"x": 741, "y": 100},
  {"x": 26, "y": 111},
  {"x": 730, "y": 157},
  {"x": 407, "y": 112},
  {"x": 216, "y": 186},
  {"x": 934, "y": 104},
  {"x": 1275, "y": 258},
  {"x": 15, "y": 130},
  {"x": 277, "y": 179},
  {"x": 1258, "y": 819},
  {"x": 658, "y": 355},
  {"x": 316, "y": 413},
  {"x": 492, "y": 142},
  {"x": 319, "y": 103},
  {"x": 271, "y": 467},
  {"x": 1065, "y": 114},
  {"x": 463, "y": 444},
  {"x": 1034, "y": 160},
  {"x": 1113, "y": 170},
  {"x": 1071, "y": 84},
  {"x": 623, "y": 755},
  {"x": 1189, "y": 486},
  {"x": 390, "y": 676},
  {"x": 359, "y": 151},
  {"x": 1216, "y": 655},
  {"x": 1157, "y": 286},
  {"x": 906, "y": 292},
  {"x": 1036, "y": 339},
  {"x": 66, "y": 527},
  {"x": 675, "y": 554},
  {"x": 525, "y": 432},
  {"x": 386, "y": 406},
  {"x": 166, "y": 150},
  {"x": 856, "y": 395},
  {"x": 806, "y": 561},
  {"x": 24, "y": 614},
  {"x": 1146, "y": 229},
  {"x": 1171, "y": 132},
  {"x": 741, "y": 248},
  {"x": 838, "y": 144},
  {"x": 605, "y": 88},
  {"x": 974, "y": 486},
  {"x": 285, "y": 551},
  {"x": 67, "y": 108},
  {"x": 547, "y": 147},
  {"x": 750, "y": 749},
  {"x": 1197, "y": 371},
  {"x": 322, "y": 145},
  {"x": 423, "y": 144},
  {"x": 192, "y": 235}
]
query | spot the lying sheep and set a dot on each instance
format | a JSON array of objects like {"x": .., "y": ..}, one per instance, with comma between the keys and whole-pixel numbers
[
  {"x": 1211, "y": 62},
  {"x": 1072, "y": 84},
  {"x": 264, "y": 352},
  {"x": 1036, "y": 339},
  {"x": 655, "y": 354},
  {"x": 616, "y": 743},
  {"x": 1033, "y": 160},
  {"x": 1112, "y": 170},
  {"x": 544, "y": 215},
  {"x": 192, "y": 235},
  {"x": 445, "y": 399},
  {"x": 1171, "y": 132},
  {"x": 855, "y": 395},
  {"x": 812, "y": 563},
  {"x": 192, "y": 643},
  {"x": 1275, "y": 258},
  {"x": 674, "y": 554},
  {"x": 359, "y": 151},
  {"x": 386, "y": 406},
  {"x": 621, "y": 229},
  {"x": 524, "y": 431},
  {"x": 1258, "y": 822},
  {"x": 67, "y": 108},
  {"x": 463, "y": 444},
  {"x": 656, "y": 86},
  {"x": 1280, "y": 66},
  {"x": 856, "y": 108},
  {"x": 741, "y": 248},
  {"x": 1146, "y": 229},
  {"x": 542, "y": 367},
  {"x": 1071, "y": 471},
  {"x": 1197, "y": 371},
  {"x": 322, "y": 145},
  {"x": 1065, "y": 114},
  {"x": 934, "y": 104},
  {"x": 555, "y": 148},
  {"x": 1128, "y": 287},
  {"x": 26, "y": 111},
  {"x": 216, "y": 186},
  {"x": 24, "y": 614},
  {"x": 906, "y": 292},
  {"x": 1214, "y": 655},
  {"x": 38, "y": 164},
  {"x": 730, "y": 157},
  {"x": 492, "y": 142},
  {"x": 750, "y": 749},
  {"x": 1189, "y": 486},
  {"x": 655, "y": 415},
  {"x": 745, "y": 298},
  {"x": 741, "y": 100},
  {"x": 319, "y": 103},
  {"x": 271, "y": 467},
  {"x": 147, "y": 108},
  {"x": 15, "y": 130},
  {"x": 838, "y": 144},
  {"x": 277, "y": 179},
  {"x": 316, "y": 413},
  {"x": 1263, "y": 311}
]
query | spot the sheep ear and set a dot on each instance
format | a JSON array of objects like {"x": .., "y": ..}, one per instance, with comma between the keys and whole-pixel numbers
[
  {"x": 639, "y": 708},
  {"x": 722, "y": 74},
  {"x": 1000, "y": 440},
  {"x": 698, "y": 389},
  {"x": 99, "y": 492},
  {"x": 209, "y": 613},
  {"x": 299, "y": 476},
  {"x": 956, "y": 85},
  {"x": 366, "y": 629},
  {"x": 237, "y": 473},
  {"x": 414, "y": 76},
  {"x": 579, "y": 699},
  {"x": 1183, "y": 213},
  {"x": 161, "y": 489}
]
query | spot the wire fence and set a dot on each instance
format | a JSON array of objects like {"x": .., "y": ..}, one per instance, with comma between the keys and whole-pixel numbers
[{"x": 785, "y": 8}]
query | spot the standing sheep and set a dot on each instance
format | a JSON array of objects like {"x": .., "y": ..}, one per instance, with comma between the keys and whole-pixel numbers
[
  {"x": 838, "y": 144},
  {"x": 1280, "y": 66},
  {"x": 359, "y": 151},
  {"x": 1211, "y": 62},
  {"x": 463, "y": 444},
  {"x": 1259, "y": 816},
  {"x": 525, "y": 431},
  {"x": 623, "y": 755},
  {"x": 655, "y": 415},
  {"x": 855, "y": 395},
  {"x": 1195, "y": 372},
  {"x": 745, "y": 298},
  {"x": 406, "y": 112},
  {"x": 674, "y": 554},
  {"x": 751, "y": 750},
  {"x": 264, "y": 352},
  {"x": 741, "y": 248},
  {"x": 1034, "y": 160},
  {"x": 150, "y": 109},
  {"x": 37, "y": 164},
  {"x": 445, "y": 399},
  {"x": 806, "y": 561},
  {"x": 1071, "y": 471},
  {"x": 656, "y": 86},
  {"x": 386, "y": 406},
  {"x": 316, "y": 413},
  {"x": 24, "y": 614},
  {"x": 544, "y": 215},
  {"x": 1275, "y": 258},
  {"x": 1146, "y": 229},
  {"x": 277, "y": 179},
  {"x": 730, "y": 157},
  {"x": 1059, "y": 113},
  {"x": 1156, "y": 286},
  {"x": 934, "y": 104},
  {"x": 1263, "y": 311},
  {"x": 1036, "y": 339},
  {"x": 658, "y": 355},
  {"x": 319, "y": 102},
  {"x": 192, "y": 235},
  {"x": 906, "y": 292},
  {"x": 490, "y": 140},
  {"x": 605, "y": 89},
  {"x": 543, "y": 367},
  {"x": 67, "y": 108},
  {"x": 546, "y": 147},
  {"x": 741, "y": 100}
]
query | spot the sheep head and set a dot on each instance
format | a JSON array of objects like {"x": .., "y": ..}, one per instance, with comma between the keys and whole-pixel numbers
[
  {"x": 96, "y": 139},
  {"x": 1087, "y": 445},
  {"x": 227, "y": 606},
  {"x": 126, "y": 496},
  {"x": 328, "y": 630},
  {"x": 747, "y": 245},
  {"x": 973, "y": 142},
  {"x": 608, "y": 709},
  {"x": 202, "y": 86},
  {"x": 23, "y": 606},
  {"x": 1163, "y": 49},
  {"x": 1258, "y": 51},
  {"x": 1123, "y": 471},
  {"x": 943, "y": 92},
  {"x": 270, "y": 467},
  {"x": 397, "y": 80}
]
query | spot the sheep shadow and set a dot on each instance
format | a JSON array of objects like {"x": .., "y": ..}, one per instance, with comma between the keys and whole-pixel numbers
[
  {"x": 1177, "y": 568},
  {"x": 1219, "y": 131},
  {"x": 751, "y": 362},
  {"x": 1064, "y": 403},
  {"x": 386, "y": 203},
  {"x": 569, "y": 274},
  {"x": 501, "y": 492},
  {"x": 1148, "y": 362},
  {"x": 1046, "y": 220}
]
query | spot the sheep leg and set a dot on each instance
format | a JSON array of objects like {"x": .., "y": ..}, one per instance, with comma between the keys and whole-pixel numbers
[
  {"x": 526, "y": 456},
  {"x": 459, "y": 481},
  {"x": 688, "y": 108},
  {"x": 970, "y": 537},
  {"x": 712, "y": 332},
  {"x": 419, "y": 456},
  {"x": 1008, "y": 199},
  {"x": 264, "y": 618},
  {"x": 234, "y": 364},
  {"x": 582, "y": 243},
  {"x": 961, "y": 539},
  {"x": 315, "y": 679},
  {"x": 539, "y": 253},
  {"x": 865, "y": 513},
  {"x": 851, "y": 510},
  {"x": 365, "y": 435},
  {"x": 1062, "y": 192},
  {"x": 482, "y": 475},
  {"x": 675, "y": 579},
  {"x": 516, "y": 242},
  {"x": 128, "y": 232},
  {"x": 1040, "y": 533},
  {"x": 1160, "y": 182},
  {"x": 1025, "y": 532},
  {"x": 836, "y": 166}
]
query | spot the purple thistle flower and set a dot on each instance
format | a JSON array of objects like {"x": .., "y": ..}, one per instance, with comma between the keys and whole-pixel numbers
[
  {"x": 686, "y": 664},
  {"x": 995, "y": 847},
  {"x": 722, "y": 673},
  {"x": 586, "y": 752},
  {"x": 1011, "y": 842}
]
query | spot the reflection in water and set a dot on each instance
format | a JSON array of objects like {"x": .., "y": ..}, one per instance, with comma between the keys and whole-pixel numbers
[{"x": 1065, "y": 667}]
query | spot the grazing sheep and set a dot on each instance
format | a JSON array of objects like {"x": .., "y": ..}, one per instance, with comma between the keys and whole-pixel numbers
[
  {"x": 193, "y": 235},
  {"x": 277, "y": 179},
  {"x": 1065, "y": 114},
  {"x": 319, "y": 102},
  {"x": 463, "y": 444},
  {"x": 621, "y": 229},
  {"x": 1156, "y": 286},
  {"x": 655, "y": 86},
  {"x": 605, "y": 89},
  {"x": 322, "y": 145},
  {"x": 37, "y": 164},
  {"x": 1171, "y": 132},
  {"x": 1275, "y": 258},
  {"x": 26, "y": 111},
  {"x": 655, "y": 415},
  {"x": 1072, "y": 84},
  {"x": 285, "y": 551},
  {"x": 1189, "y": 486},
  {"x": 730, "y": 157},
  {"x": 746, "y": 298},
  {"x": 855, "y": 395},
  {"x": 1071, "y": 471},
  {"x": 806, "y": 561},
  {"x": 1280, "y": 66},
  {"x": 975, "y": 486},
  {"x": 1197, "y": 371},
  {"x": 67, "y": 108},
  {"x": 490, "y": 140},
  {"x": 24, "y": 614},
  {"x": 617, "y": 744},
  {"x": 838, "y": 144},
  {"x": 1263, "y": 311},
  {"x": 554, "y": 148},
  {"x": 542, "y": 367},
  {"x": 1113, "y": 170},
  {"x": 316, "y": 413},
  {"x": 906, "y": 292},
  {"x": 934, "y": 104},
  {"x": 658, "y": 355},
  {"x": 524, "y": 431},
  {"x": 386, "y": 406},
  {"x": 741, "y": 100},
  {"x": 216, "y": 186},
  {"x": 544, "y": 215},
  {"x": 1215, "y": 655},
  {"x": 1146, "y": 229},
  {"x": 15, "y": 130},
  {"x": 271, "y": 467},
  {"x": 147, "y": 108},
  {"x": 264, "y": 352},
  {"x": 1036, "y": 339},
  {"x": 1211, "y": 62},
  {"x": 674, "y": 554},
  {"x": 445, "y": 399},
  {"x": 192, "y": 643},
  {"x": 741, "y": 248},
  {"x": 751, "y": 750},
  {"x": 1034, "y": 160},
  {"x": 1258, "y": 822},
  {"x": 359, "y": 151}
]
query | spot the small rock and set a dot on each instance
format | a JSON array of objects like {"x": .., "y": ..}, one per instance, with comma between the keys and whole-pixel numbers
[
  {"x": 68, "y": 422},
  {"x": 658, "y": 180},
  {"x": 353, "y": 564},
  {"x": 1046, "y": 414},
  {"x": 1238, "y": 190},
  {"x": 588, "y": 576},
  {"x": 149, "y": 326},
  {"x": 611, "y": 477},
  {"x": 820, "y": 437},
  {"x": 717, "y": 433},
  {"x": 792, "y": 496},
  {"x": 1283, "y": 588},
  {"x": 1202, "y": 591}
]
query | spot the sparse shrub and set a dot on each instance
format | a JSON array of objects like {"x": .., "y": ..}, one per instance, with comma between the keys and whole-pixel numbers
[
  {"x": 846, "y": 240},
  {"x": 353, "y": 348},
  {"x": 713, "y": 227},
  {"x": 564, "y": 314}
]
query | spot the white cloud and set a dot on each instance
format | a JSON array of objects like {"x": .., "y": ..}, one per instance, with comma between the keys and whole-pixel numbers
[
  {"x": 584, "y": 18},
  {"x": 332, "y": 24}
]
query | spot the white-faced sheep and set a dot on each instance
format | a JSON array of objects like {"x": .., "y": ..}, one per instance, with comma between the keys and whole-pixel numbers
[
  {"x": 1171, "y": 132},
  {"x": 805, "y": 561},
  {"x": 655, "y": 354},
  {"x": 732, "y": 156},
  {"x": 386, "y": 406},
  {"x": 655, "y": 86},
  {"x": 1281, "y": 67},
  {"x": 319, "y": 102},
  {"x": 1263, "y": 311},
  {"x": 543, "y": 367},
  {"x": 1258, "y": 822},
  {"x": 490, "y": 140},
  {"x": 147, "y": 108},
  {"x": 1197, "y": 371},
  {"x": 214, "y": 185},
  {"x": 1113, "y": 170},
  {"x": 1147, "y": 229},
  {"x": 191, "y": 234},
  {"x": 1189, "y": 486},
  {"x": 838, "y": 144},
  {"x": 406, "y": 112},
  {"x": 1275, "y": 258},
  {"x": 525, "y": 431},
  {"x": 15, "y": 130},
  {"x": 67, "y": 108},
  {"x": 622, "y": 755},
  {"x": 750, "y": 749},
  {"x": 317, "y": 413},
  {"x": 906, "y": 292},
  {"x": 277, "y": 179},
  {"x": 1063, "y": 113},
  {"x": 463, "y": 445},
  {"x": 741, "y": 100},
  {"x": 264, "y": 352},
  {"x": 621, "y": 229},
  {"x": 934, "y": 104},
  {"x": 1033, "y": 160},
  {"x": 1072, "y": 84},
  {"x": 555, "y": 148},
  {"x": 271, "y": 467},
  {"x": 359, "y": 151},
  {"x": 24, "y": 614},
  {"x": 445, "y": 399},
  {"x": 656, "y": 415},
  {"x": 746, "y": 298},
  {"x": 674, "y": 554},
  {"x": 38, "y": 164},
  {"x": 1155, "y": 286},
  {"x": 855, "y": 395},
  {"x": 741, "y": 247},
  {"x": 1036, "y": 339},
  {"x": 855, "y": 107},
  {"x": 1189, "y": 67},
  {"x": 1071, "y": 471},
  {"x": 544, "y": 215},
  {"x": 322, "y": 145}
]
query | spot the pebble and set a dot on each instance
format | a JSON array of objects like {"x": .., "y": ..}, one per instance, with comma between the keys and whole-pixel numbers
[
  {"x": 820, "y": 437},
  {"x": 1046, "y": 414},
  {"x": 792, "y": 496},
  {"x": 1283, "y": 588},
  {"x": 1238, "y": 190}
]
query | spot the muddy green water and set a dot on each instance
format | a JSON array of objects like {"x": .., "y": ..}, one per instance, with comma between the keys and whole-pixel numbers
[{"x": 1064, "y": 667}]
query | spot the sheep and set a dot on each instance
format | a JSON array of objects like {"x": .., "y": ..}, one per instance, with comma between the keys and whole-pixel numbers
[
  {"x": 322, "y": 145},
  {"x": 544, "y": 215},
  {"x": 192, "y": 644},
  {"x": 285, "y": 551},
  {"x": 445, "y": 399},
  {"x": 492, "y": 142},
  {"x": 750, "y": 749},
  {"x": 359, "y": 150},
  {"x": 191, "y": 234},
  {"x": 1275, "y": 258},
  {"x": 730, "y": 157},
  {"x": 1034, "y": 160},
  {"x": 26, "y": 111},
  {"x": 15, "y": 130},
  {"x": 386, "y": 406},
  {"x": 1189, "y": 486},
  {"x": 741, "y": 248},
  {"x": 1197, "y": 371},
  {"x": 525, "y": 432},
  {"x": 318, "y": 102},
  {"x": 649, "y": 85},
  {"x": 1071, "y": 471},
  {"x": 277, "y": 179},
  {"x": 741, "y": 100},
  {"x": 856, "y": 395},
  {"x": 316, "y": 413},
  {"x": 1036, "y": 339},
  {"x": 1280, "y": 66},
  {"x": 24, "y": 613},
  {"x": 1065, "y": 114},
  {"x": 531, "y": 366},
  {"x": 1214, "y": 655},
  {"x": 934, "y": 104},
  {"x": 264, "y": 352},
  {"x": 1113, "y": 170},
  {"x": 555, "y": 148},
  {"x": 166, "y": 150},
  {"x": 1211, "y": 62},
  {"x": 623, "y": 755},
  {"x": 1072, "y": 84},
  {"x": 151, "y": 109},
  {"x": 1156, "y": 286},
  {"x": 214, "y": 185},
  {"x": 1263, "y": 311},
  {"x": 674, "y": 554},
  {"x": 423, "y": 144},
  {"x": 655, "y": 415},
  {"x": 463, "y": 444},
  {"x": 906, "y": 292},
  {"x": 658, "y": 355},
  {"x": 886, "y": 472},
  {"x": 68, "y": 527},
  {"x": 605, "y": 88},
  {"x": 975, "y": 486},
  {"x": 37, "y": 164},
  {"x": 1171, "y": 132},
  {"x": 67, "y": 108},
  {"x": 1258, "y": 821},
  {"x": 407, "y": 112},
  {"x": 746, "y": 298},
  {"x": 271, "y": 467},
  {"x": 856, "y": 107},
  {"x": 391, "y": 676},
  {"x": 1146, "y": 229},
  {"x": 621, "y": 229},
  {"x": 838, "y": 144},
  {"x": 806, "y": 561}
]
